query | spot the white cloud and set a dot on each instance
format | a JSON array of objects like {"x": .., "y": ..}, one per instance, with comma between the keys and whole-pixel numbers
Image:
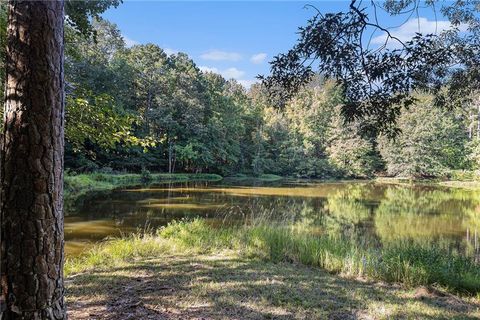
[
  {"x": 226, "y": 73},
  {"x": 407, "y": 31},
  {"x": 170, "y": 51},
  {"x": 217, "y": 55},
  {"x": 129, "y": 42},
  {"x": 247, "y": 83},
  {"x": 258, "y": 58},
  {"x": 232, "y": 73}
]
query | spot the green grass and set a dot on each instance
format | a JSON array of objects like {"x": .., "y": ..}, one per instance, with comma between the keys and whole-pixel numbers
[
  {"x": 461, "y": 179},
  {"x": 469, "y": 185},
  {"x": 464, "y": 175},
  {"x": 229, "y": 286},
  {"x": 77, "y": 186},
  {"x": 405, "y": 263}
]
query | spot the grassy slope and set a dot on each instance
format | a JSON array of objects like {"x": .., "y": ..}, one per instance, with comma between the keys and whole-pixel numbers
[
  {"x": 470, "y": 184},
  {"x": 267, "y": 271}
]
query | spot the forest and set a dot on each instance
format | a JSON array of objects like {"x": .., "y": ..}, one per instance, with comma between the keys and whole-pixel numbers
[
  {"x": 138, "y": 183},
  {"x": 137, "y": 108}
]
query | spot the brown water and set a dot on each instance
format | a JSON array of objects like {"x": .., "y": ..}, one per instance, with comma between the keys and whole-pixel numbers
[{"x": 369, "y": 212}]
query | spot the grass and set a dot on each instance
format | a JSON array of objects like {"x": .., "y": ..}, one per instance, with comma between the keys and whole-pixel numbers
[
  {"x": 77, "y": 186},
  {"x": 408, "y": 264},
  {"x": 470, "y": 185},
  {"x": 461, "y": 179},
  {"x": 192, "y": 270},
  {"x": 229, "y": 286}
]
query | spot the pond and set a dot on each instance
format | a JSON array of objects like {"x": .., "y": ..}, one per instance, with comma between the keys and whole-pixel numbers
[{"x": 372, "y": 213}]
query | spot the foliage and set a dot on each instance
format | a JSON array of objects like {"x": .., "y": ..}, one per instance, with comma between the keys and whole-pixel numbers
[
  {"x": 473, "y": 147},
  {"x": 146, "y": 176},
  {"x": 95, "y": 112},
  {"x": 167, "y": 115},
  {"x": 97, "y": 122},
  {"x": 80, "y": 13},
  {"x": 162, "y": 111},
  {"x": 350, "y": 152},
  {"x": 310, "y": 138},
  {"x": 139, "y": 108},
  {"x": 378, "y": 80},
  {"x": 432, "y": 141}
]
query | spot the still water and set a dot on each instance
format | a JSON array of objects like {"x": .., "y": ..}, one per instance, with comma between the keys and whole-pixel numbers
[{"x": 372, "y": 213}]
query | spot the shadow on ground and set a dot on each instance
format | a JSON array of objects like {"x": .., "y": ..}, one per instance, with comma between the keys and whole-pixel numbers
[{"x": 225, "y": 287}]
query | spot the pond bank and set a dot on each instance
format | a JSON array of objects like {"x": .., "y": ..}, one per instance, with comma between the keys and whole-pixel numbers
[
  {"x": 232, "y": 261},
  {"x": 79, "y": 185},
  {"x": 460, "y": 184},
  {"x": 76, "y": 186}
]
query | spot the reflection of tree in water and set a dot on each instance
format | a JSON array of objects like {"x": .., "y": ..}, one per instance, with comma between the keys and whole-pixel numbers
[
  {"x": 472, "y": 237},
  {"x": 367, "y": 213},
  {"x": 424, "y": 200},
  {"x": 429, "y": 216},
  {"x": 283, "y": 210},
  {"x": 345, "y": 208},
  {"x": 350, "y": 213}
]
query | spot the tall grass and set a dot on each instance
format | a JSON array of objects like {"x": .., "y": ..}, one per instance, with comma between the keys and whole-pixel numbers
[{"x": 404, "y": 262}]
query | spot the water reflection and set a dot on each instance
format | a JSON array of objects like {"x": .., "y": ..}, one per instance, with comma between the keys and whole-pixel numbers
[{"x": 368, "y": 212}]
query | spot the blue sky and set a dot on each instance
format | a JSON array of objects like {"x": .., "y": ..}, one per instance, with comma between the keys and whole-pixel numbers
[{"x": 235, "y": 39}]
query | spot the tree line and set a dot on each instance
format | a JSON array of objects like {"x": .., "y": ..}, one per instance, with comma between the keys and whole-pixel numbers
[
  {"x": 138, "y": 108},
  {"x": 134, "y": 108}
]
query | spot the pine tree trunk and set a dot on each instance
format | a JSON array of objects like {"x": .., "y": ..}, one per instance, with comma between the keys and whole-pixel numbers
[{"x": 32, "y": 164}]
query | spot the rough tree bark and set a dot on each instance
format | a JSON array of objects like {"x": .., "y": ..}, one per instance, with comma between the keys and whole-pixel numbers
[{"x": 32, "y": 163}]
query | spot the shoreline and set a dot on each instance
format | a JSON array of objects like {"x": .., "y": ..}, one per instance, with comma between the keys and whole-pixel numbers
[
  {"x": 149, "y": 265},
  {"x": 188, "y": 264}
]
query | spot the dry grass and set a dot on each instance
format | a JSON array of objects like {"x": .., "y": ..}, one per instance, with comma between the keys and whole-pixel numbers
[{"x": 226, "y": 286}]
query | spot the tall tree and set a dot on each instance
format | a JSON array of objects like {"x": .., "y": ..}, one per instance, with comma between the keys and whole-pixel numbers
[
  {"x": 377, "y": 81},
  {"x": 432, "y": 142},
  {"x": 32, "y": 163}
]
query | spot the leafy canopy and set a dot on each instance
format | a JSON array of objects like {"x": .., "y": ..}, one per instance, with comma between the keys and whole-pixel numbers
[{"x": 378, "y": 81}]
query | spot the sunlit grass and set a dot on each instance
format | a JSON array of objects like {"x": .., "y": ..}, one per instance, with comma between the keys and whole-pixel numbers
[
  {"x": 407, "y": 263},
  {"x": 226, "y": 286},
  {"x": 117, "y": 251}
]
